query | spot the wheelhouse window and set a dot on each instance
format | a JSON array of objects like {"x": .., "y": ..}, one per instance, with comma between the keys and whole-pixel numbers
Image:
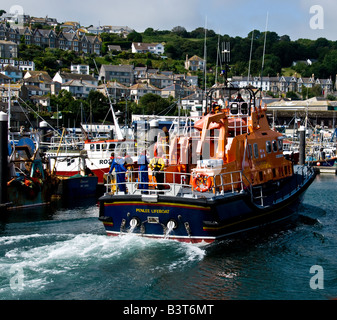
[
  {"x": 250, "y": 152},
  {"x": 244, "y": 108},
  {"x": 234, "y": 108},
  {"x": 268, "y": 146},
  {"x": 274, "y": 143},
  {"x": 280, "y": 145},
  {"x": 256, "y": 151}
]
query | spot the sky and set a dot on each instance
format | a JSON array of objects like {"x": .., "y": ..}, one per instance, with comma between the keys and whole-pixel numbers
[{"x": 310, "y": 19}]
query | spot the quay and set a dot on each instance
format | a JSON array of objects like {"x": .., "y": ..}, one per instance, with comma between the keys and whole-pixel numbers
[{"x": 326, "y": 170}]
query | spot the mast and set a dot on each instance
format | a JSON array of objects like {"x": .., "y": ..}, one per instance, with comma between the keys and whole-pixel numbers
[
  {"x": 226, "y": 52},
  {"x": 9, "y": 104},
  {"x": 250, "y": 57},
  {"x": 218, "y": 57},
  {"x": 264, "y": 50},
  {"x": 205, "y": 62},
  {"x": 117, "y": 128}
]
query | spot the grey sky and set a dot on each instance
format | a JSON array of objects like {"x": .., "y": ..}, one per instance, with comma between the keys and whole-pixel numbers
[{"x": 236, "y": 18}]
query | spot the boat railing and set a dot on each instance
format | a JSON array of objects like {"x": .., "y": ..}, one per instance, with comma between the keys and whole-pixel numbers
[
  {"x": 302, "y": 174},
  {"x": 180, "y": 184},
  {"x": 238, "y": 127},
  {"x": 235, "y": 182},
  {"x": 174, "y": 183}
]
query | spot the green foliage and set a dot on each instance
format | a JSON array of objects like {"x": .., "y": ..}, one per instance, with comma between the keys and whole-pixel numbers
[
  {"x": 281, "y": 52},
  {"x": 152, "y": 104},
  {"x": 135, "y": 37},
  {"x": 95, "y": 107}
]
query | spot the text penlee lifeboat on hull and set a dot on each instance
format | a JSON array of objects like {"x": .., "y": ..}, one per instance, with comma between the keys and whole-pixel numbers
[{"x": 224, "y": 175}]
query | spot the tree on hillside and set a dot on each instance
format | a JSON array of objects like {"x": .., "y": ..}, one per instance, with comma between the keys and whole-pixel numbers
[
  {"x": 135, "y": 37},
  {"x": 180, "y": 31},
  {"x": 153, "y": 103}
]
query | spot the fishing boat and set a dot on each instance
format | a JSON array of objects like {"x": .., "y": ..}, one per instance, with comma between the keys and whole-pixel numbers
[
  {"x": 66, "y": 160},
  {"x": 291, "y": 151},
  {"x": 29, "y": 184},
  {"x": 321, "y": 156},
  {"x": 229, "y": 178}
]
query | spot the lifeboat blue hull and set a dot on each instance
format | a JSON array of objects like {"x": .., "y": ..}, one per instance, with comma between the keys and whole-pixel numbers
[{"x": 197, "y": 220}]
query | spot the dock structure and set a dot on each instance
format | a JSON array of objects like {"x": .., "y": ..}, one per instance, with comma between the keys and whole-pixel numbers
[
  {"x": 3, "y": 160},
  {"x": 326, "y": 170}
]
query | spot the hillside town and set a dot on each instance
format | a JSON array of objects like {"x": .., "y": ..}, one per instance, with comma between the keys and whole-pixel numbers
[{"x": 21, "y": 80}]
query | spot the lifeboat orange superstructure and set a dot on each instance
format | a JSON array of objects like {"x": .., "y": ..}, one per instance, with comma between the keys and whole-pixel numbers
[{"x": 244, "y": 142}]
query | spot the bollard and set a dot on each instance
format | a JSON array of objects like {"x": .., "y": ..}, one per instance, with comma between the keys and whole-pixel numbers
[
  {"x": 302, "y": 145},
  {"x": 3, "y": 157}
]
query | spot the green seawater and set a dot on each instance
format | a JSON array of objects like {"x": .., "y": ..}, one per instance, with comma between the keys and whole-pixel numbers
[{"x": 59, "y": 253}]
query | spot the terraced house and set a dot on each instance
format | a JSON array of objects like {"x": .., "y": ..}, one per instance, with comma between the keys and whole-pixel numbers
[
  {"x": 75, "y": 41},
  {"x": 283, "y": 84}
]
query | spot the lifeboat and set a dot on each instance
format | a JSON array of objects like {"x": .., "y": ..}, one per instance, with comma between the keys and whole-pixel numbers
[{"x": 225, "y": 175}]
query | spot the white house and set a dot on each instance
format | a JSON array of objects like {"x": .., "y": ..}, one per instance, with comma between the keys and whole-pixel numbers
[
  {"x": 63, "y": 77},
  {"x": 80, "y": 68},
  {"x": 140, "y": 89},
  {"x": 193, "y": 102},
  {"x": 194, "y": 63},
  {"x": 242, "y": 82},
  {"x": 78, "y": 88},
  {"x": 155, "y": 48}
]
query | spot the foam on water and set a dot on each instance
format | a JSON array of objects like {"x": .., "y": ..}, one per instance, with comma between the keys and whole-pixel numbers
[{"x": 47, "y": 259}]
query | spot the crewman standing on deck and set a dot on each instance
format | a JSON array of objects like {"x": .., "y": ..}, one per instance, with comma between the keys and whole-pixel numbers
[
  {"x": 143, "y": 171},
  {"x": 120, "y": 170},
  {"x": 157, "y": 166}
]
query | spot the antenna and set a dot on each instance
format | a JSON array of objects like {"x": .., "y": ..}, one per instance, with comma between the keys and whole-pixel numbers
[
  {"x": 205, "y": 54},
  {"x": 226, "y": 57}
]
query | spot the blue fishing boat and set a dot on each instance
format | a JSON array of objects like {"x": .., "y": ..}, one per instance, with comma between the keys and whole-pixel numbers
[
  {"x": 79, "y": 186},
  {"x": 29, "y": 184},
  {"x": 226, "y": 175}
]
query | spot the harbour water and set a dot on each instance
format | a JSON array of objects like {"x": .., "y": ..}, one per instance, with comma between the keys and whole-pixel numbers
[{"x": 64, "y": 254}]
